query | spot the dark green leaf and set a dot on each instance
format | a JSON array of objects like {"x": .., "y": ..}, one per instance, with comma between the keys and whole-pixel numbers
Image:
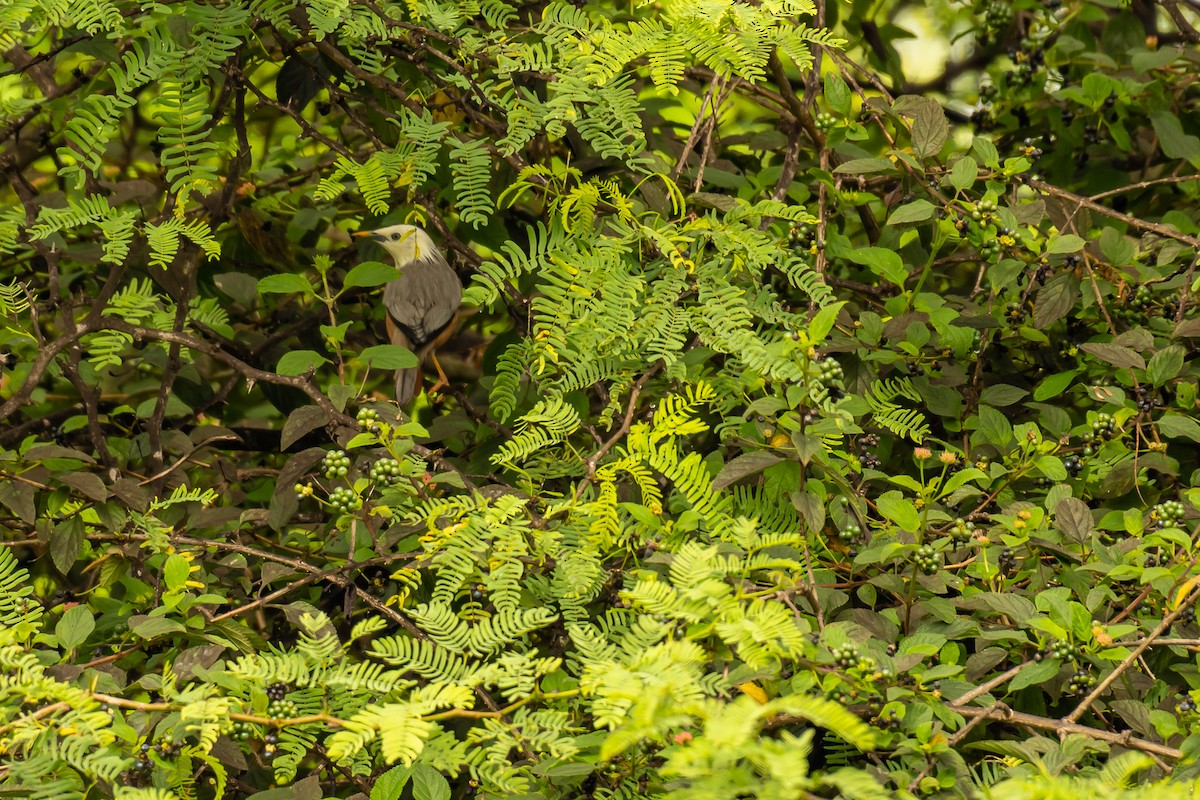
[
  {"x": 837, "y": 93},
  {"x": 370, "y": 273},
  {"x": 298, "y": 362},
  {"x": 1073, "y": 517},
  {"x": 1177, "y": 426},
  {"x": 429, "y": 784},
  {"x": 1114, "y": 354},
  {"x": 883, "y": 262},
  {"x": 390, "y": 784},
  {"x": 388, "y": 356},
  {"x": 1034, "y": 673},
  {"x": 744, "y": 466},
  {"x": 1165, "y": 365},
  {"x": 916, "y": 211},
  {"x": 930, "y": 129},
  {"x": 1175, "y": 143},
  {"x": 963, "y": 174},
  {"x": 1054, "y": 385},
  {"x": 1054, "y": 300},
  {"x": 1001, "y": 394},
  {"x": 75, "y": 626},
  {"x": 284, "y": 283},
  {"x": 864, "y": 166}
]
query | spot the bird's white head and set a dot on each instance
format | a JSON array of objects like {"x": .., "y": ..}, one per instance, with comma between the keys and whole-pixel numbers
[{"x": 405, "y": 243}]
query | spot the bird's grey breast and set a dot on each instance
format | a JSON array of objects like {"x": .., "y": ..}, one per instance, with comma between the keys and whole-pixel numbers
[{"x": 425, "y": 297}]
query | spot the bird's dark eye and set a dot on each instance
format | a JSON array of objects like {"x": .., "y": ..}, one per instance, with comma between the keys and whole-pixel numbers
[{"x": 395, "y": 237}]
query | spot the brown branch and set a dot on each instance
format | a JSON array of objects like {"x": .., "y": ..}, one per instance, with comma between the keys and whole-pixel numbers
[
  {"x": 1133, "y": 222},
  {"x": 1002, "y": 713},
  {"x": 630, "y": 410},
  {"x": 1102, "y": 687}
]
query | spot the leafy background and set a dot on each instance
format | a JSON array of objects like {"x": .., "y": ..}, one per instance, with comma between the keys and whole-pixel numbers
[{"x": 821, "y": 424}]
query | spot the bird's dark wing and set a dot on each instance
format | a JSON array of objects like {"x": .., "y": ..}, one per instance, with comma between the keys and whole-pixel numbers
[{"x": 424, "y": 299}]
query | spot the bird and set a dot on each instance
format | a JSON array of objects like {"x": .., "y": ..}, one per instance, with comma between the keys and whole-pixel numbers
[{"x": 422, "y": 302}]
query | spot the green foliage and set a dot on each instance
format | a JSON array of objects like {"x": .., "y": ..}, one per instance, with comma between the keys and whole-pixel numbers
[{"x": 813, "y": 429}]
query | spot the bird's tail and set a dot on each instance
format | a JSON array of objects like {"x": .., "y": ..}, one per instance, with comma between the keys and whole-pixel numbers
[
  {"x": 406, "y": 384},
  {"x": 406, "y": 379}
]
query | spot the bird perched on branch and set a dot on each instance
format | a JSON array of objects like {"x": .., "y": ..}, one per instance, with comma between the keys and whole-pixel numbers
[{"x": 421, "y": 303}]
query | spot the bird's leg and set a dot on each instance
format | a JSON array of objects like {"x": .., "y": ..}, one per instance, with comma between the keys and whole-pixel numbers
[{"x": 442, "y": 381}]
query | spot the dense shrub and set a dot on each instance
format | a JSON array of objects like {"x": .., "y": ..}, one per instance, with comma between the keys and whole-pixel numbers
[{"x": 811, "y": 431}]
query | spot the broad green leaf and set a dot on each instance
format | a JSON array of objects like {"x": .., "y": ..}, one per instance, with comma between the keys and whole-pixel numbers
[
  {"x": 916, "y": 211},
  {"x": 837, "y": 94},
  {"x": 988, "y": 155},
  {"x": 1115, "y": 354},
  {"x": 883, "y": 262},
  {"x": 1073, "y": 517},
  {"x": 1001, "y": 394},
  {"x": 298, "y": 362},
  {"x": 388, "y": 356},
  {"x": 1054, "y": 300},
  {"x": 429, "y": 784},
  {"x": 1175, "y": 143},
  {"x": 1054, "y": 385},
  {"x": 284, "y": 283},
  {"x": 175, "y": 572},
  {"x": 900, "y": 510},
  {"x": 823, "y": 321},
  {"x": 963, "y": 174},
  {"x": 929, "y": 129},
  {"x": 1064, "y": 243},
  {"x": 1051, "y": 467},
  {"x": 864, "y": 166},
  {"x": 390, "y": 785},
  {"x": 1034, "y": 674},
  {"x": 75, "y": 626},
  {"x": 744, "y": 466},
  {"x": 1177, "y": 426},
  {"x": 1165, "y": 365},
  {"x": 370, "y": 273}
]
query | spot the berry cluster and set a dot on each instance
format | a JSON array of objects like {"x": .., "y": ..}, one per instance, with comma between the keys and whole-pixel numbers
[
  {"x": 1146, "y": 398},
  {"x": 1064, "y": 651},
  {"x": 368, "y": 420},
  {"x": 344, "y": 500},
  {"x": 891, "y": 721},
  {"x": 1008, "y": 560},
  {"x": 303, "y": 490},
  {"x": 1029, "y": 148},
  {"x": 963, "y": 530},
  {"x": 803, "y": 237},
  {"x": 996, "y": 15},
  {"x": 385, "y": 472},
  {"x": 336, "y": 464},
  {"x": 866, "y": 451},
  {"x": 1073, "y": 465},
  {"x": 281, "y": 709},
  {"x": 848, "y": 657},
  {"x": 1080, "y": 682},
  {"x": 825, "y": 121},
  {"x": 1167, "y": 514},
  {"x": 1186, "y": 706},
  {"x": 850, "y": 532},
  {"x": 830, "y": 370},
  {"x": 269, "y": 743},
  {"x": 242, "y": 732},
  {"x": 927, "y": 559},
  {"x": 1015, "y": 313},
  {"x": 278, "y": 691},
  {"x": 1103, "y": 427}
]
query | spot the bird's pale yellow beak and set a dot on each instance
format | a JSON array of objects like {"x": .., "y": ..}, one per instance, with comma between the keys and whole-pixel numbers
[{"x": 361, "y": 234}]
